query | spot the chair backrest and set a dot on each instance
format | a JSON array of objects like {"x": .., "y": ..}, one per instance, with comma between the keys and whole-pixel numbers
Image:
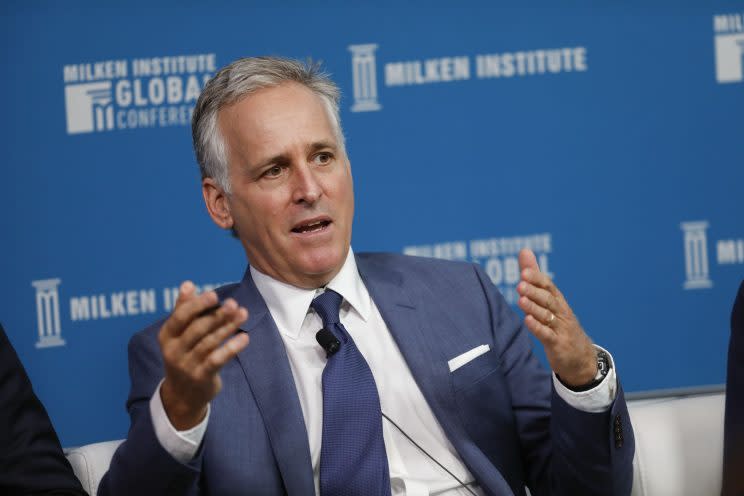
[
  {"x": 679, "y": 446},
  {"x": 91, "y": 461}
]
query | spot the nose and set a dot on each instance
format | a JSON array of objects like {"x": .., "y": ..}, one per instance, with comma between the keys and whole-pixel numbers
[{"x": 307, "y": 187}]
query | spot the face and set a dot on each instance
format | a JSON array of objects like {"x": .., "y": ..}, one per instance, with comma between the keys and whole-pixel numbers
[{"x": 292, "y": 200}]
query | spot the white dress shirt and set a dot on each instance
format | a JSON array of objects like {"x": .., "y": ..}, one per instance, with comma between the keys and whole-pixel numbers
[{"x": 412, "y": 473}]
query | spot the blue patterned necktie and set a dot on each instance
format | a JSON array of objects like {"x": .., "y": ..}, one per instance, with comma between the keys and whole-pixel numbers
[{"x": 352, "y": 454}]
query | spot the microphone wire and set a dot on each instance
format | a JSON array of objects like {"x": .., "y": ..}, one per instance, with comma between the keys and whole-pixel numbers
[
  {"x": 331, "y": 345},
  {"x": 427, "y": 454}
]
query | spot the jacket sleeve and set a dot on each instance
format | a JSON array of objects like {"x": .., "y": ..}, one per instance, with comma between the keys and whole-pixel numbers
[
  {"x": 141, "y": 465},
  {"x": 565, "y": 451}
]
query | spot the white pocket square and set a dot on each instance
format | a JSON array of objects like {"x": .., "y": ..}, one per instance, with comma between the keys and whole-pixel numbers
[{"x": 466, "y": 357}]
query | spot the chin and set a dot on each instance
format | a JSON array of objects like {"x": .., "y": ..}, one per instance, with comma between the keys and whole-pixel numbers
[{"x": 327, "y": 263}]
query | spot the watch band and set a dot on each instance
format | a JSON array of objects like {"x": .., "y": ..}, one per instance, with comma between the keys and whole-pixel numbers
[{"x": 603, "y": 367}]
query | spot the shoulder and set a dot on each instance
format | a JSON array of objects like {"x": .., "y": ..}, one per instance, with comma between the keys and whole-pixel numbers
[
  {"x": 400, "y": 261},
  {"x": 436, "y": 274}
]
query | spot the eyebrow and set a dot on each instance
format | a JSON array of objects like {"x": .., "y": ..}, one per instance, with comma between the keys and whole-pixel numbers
[{"x": 319, "y": 145}]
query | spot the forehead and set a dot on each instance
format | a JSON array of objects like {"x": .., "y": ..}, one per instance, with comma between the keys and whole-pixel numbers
[{"x": 275, "y": 120}]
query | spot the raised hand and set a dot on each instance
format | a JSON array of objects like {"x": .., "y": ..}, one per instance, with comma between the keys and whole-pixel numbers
[
  {"x": 569, "y": 350},
  {"x": 195, "y": 346}
]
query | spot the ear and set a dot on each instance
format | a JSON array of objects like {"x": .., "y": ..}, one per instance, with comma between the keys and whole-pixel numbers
[{"x": 215, "y": 199}]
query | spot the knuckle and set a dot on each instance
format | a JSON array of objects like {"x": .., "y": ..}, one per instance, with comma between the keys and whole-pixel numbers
[
  {"x": 168, "y": 354},
  {"x": 210, "y": 340},
  {"x": 201, "y": 372},
  {"x": 550, "y": 303},
  {"x": 218, "y": 334},
  {"x": 196, "y": 374},
  {"x": 214, "y": 360},
  {"x": 529, "y": 306},
  {"x": 200, "y": 349},
  {"x": 175, "y": 320}
]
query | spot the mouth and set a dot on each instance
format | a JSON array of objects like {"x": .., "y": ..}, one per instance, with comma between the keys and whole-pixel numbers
[{"x": 311, "y": 226}]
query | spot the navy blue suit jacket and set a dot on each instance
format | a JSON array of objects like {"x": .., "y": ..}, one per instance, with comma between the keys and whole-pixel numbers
[
  {"x": 733, "y": 438},
  {"x": 499, "y": 411},
  {"x": 31, "y": 459}
]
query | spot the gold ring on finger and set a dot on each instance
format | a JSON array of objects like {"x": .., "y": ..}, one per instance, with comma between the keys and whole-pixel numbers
[{"x": 551, "y": 319}]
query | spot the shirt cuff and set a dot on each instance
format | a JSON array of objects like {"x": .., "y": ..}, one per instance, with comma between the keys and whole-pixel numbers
[
  {"x": 181, "y": 445},
  {"x": 595, "y": 400}
]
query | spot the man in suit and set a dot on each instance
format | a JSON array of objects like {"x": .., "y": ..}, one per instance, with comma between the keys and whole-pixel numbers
[
  {"x": 453, "y": 400},
  {"x": 733, "y": 434},
  {"x": 31, "y": 458}
]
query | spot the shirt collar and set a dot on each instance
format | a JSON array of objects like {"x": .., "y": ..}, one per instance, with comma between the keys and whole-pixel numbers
[{"x": 289, "y": 304}]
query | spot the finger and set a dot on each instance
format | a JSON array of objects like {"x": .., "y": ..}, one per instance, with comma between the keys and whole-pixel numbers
[
  {"x": 219, "y": 357},
  {"x": 527, "y": 260},
  {"x": 217, "y": 336},
  {"x": 207, "y": 322},
  {"x": 209, "y": 311},
  {"x": 187, "y": 311},
  {"x": 537, "y": 278},
  {"x": 185, "y": 292},
  {"x": 541, "y": 314},
  {"x": 541, "y": 280},
  {"x": 542, "y": 332},
  {"x": 540, "y": 296}
]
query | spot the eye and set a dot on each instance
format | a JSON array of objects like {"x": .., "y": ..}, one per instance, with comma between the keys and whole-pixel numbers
[
  {"x": 323, "y": 158},
  {"x": 274, "y": 171}
]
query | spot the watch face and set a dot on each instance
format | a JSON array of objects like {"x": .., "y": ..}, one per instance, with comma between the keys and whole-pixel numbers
[{"x": 602, "y": 363}]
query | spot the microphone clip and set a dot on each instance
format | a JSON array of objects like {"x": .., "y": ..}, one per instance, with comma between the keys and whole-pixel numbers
[{"x": 328, "y": 341}]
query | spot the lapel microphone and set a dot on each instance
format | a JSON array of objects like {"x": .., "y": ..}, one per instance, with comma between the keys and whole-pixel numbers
[{"x": 328, "y": 341}]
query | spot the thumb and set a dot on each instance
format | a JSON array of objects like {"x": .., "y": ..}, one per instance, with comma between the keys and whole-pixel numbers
[{"x": 527, "y": 260}]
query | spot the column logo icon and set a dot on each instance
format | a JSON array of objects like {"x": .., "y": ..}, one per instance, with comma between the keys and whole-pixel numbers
[
  {"x": 696, "y": 255},
  {"x": 364, "y": 71},
  {"x": 729, "y": 41},
  {"x": 89, "y": 107},
  {"x": 47, "y": 313}
]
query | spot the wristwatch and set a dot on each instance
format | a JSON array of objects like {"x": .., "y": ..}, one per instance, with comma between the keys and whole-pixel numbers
[{"x": 603, "y": 368}]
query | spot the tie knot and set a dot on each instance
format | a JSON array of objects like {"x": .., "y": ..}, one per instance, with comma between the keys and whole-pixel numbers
[{"x": 327, "y": 306}]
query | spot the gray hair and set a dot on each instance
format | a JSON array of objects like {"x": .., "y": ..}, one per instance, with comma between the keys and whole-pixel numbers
[{"x": 240, "y": 79}]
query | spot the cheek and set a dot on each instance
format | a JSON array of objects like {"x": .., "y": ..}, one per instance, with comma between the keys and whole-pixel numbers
[
  {"x": 262, "y": 210},
  {"x": 343, "y": 191},
  {"x": 349, "y": 200}
]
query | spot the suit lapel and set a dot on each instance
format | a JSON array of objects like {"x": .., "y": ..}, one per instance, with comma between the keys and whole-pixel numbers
[
  {"x": 412, "y": 330},
  {"x": 423, "y": 332},
  {"x": 268, "y": 373}
]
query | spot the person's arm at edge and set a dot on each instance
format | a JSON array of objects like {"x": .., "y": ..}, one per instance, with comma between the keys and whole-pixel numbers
[{"x": 31, "y": 457}]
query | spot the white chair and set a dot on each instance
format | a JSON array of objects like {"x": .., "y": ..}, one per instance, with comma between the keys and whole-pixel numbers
[
  {"x": 679, "y": 446},
  {"x": 91, "y": 461}
]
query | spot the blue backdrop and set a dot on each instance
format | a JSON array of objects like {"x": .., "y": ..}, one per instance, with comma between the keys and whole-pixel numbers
[{"x": 608, "y": 139}]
